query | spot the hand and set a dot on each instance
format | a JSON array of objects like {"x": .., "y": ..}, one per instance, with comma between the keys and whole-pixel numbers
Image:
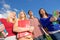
[
  {"x": 52, "y": 19},
  {"x": 31, "y": 29},
  {"x": 2, "y": 27}
]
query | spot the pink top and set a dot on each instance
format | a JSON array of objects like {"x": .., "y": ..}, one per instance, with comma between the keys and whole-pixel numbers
[
  {"x": 37, "y": 28},
  {"x": 24, "y": 24},
  {"x": 8, "y": 26}
]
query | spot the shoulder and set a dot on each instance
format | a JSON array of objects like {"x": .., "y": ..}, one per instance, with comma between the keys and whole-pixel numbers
[
  {"x": 3, "y": 19},
  {"x": 50, "y": 15}
]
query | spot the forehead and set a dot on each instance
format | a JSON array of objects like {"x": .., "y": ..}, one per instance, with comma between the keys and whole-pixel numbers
[
  {"x": 12, "y": 13},
  {"x": 30, "y": 11},
  {"x": 21, "y": 13}
]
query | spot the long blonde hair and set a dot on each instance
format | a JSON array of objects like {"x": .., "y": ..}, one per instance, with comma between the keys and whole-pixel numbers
[
  {"x": 8, "y": 18},
  {"x": 19, "y": 16}
]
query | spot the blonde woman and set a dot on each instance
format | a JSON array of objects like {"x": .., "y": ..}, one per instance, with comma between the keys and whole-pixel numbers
[
  {"x": 23, "y": 28},
  {"x": 8, "y": 24}
]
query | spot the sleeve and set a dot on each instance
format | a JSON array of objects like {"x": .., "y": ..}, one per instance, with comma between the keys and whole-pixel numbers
[
  {"x": 2, "y": 20},
  {"x": 42, "y": 23}
]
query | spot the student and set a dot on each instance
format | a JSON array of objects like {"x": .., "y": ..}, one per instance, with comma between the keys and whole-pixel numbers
[
  {"x": 23, "y": 28},
  {"x": 46, "y": 21},
  {"x": 38, "y": 34},
  {"x": 8, "y": 25}
]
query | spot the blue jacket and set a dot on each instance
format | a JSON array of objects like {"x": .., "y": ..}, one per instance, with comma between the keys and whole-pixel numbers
[{"x": 49, "y": 25}]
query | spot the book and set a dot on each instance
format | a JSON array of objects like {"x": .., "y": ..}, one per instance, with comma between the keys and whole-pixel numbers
[
  {"x": 4, "y": 32},
  {"x": 55, "y": 14}
]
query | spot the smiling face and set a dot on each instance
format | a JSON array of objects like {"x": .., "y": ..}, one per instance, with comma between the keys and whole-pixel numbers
[
  {"x": 42, "y": 11},
  {"x": 22, "y": 15},
  {"x": 12, "y": 15},
  {"x": 30, "y": 13}
]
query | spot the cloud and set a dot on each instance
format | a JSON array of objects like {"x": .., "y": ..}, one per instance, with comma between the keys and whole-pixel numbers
[
  {"x": 4, "y": 14},
  {"x": 6, "y": 6},
  {"x": 6, "y": 9},
  {"x": 16, "y": 10},
  {"x": 1, "y": 16}
]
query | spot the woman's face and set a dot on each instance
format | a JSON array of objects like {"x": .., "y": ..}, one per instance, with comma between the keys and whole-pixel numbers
[
  {"x": 22, "y": 14},
  {"x": 12, "y": 15},
  {"x": 42, "y": 11},
  {"x": 30, "y": 13}
]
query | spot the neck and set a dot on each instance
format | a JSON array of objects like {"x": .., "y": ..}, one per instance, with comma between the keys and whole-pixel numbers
[
  {"x": 32, "y": 17},
  {"x": 44, "y": 16},
  {"x": 22, "y": 19}
]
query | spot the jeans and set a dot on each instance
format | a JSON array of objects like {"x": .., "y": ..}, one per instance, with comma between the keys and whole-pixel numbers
[
  {"x": 40, "y": 38},
  {"x": 55, "y": 36}
]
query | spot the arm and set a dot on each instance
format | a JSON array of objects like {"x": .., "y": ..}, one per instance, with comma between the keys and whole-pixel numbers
[
  {"x": 52, "y": 19},
  {"x": 19, "y": 29},
  {"x": 2, "y": 28},
  {"x": 31, "y": 29}
]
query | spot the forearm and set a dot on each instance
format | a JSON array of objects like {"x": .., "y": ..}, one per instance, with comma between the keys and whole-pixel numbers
[
  {"x": 19, "y": 29},
  {"x": 31, "y": 29},
  {"x": 1, "y": 29}
]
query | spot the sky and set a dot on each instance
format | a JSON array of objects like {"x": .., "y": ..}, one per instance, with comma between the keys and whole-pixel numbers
[{"x": 34, "y": 5}]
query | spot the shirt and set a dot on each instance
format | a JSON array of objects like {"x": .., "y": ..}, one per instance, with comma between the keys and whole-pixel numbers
[
  {"x": 23, "y": 24},
  {"x": 8, "y": 27},
  {"x": 37, "y": 28},
  {"x": 47, "y": 23}
]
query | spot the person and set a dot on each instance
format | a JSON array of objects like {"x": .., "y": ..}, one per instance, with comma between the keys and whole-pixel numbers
[
  {"x": 46, "y": 21},
  {"x": 23, "y": 28},
  {"x": 38, "y": 33},
  {"x": 8, "y": 24}
]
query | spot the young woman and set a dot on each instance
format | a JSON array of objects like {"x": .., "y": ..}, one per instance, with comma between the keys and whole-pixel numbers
[
  {"x": 8, "y": 24},
  {"x": 46, "y": 21},
  {"x": 38, "y": 33},
  {"x": 23, "y": 28}
]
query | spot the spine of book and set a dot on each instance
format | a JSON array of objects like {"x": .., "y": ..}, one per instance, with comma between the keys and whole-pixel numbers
[{"x": 4, "y": 32}]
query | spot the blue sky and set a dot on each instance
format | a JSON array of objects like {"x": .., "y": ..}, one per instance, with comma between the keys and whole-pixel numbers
[{"x": 34, "y": 5}]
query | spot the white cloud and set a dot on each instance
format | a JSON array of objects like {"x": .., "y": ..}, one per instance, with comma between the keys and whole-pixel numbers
[
  {"x": 6, "y": 6},
  {"x": 1, "y": 16},
  {"x": 6, "y": 9},
  {"x": 16, "y": 10}
]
